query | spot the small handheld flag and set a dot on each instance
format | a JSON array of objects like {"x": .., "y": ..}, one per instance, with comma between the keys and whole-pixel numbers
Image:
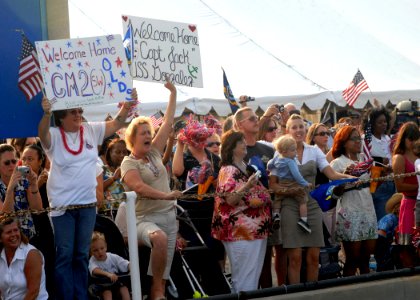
[{"x": 157, "y": 119}]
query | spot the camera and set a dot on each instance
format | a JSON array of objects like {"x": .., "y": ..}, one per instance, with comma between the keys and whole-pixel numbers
[
  {"x": 249, "y": 99},
  {"x": 406, "y": 111},
  {"x": 251, "y": 169},
  {"x": 24, "y": 170},
  {"x": 280, "y": 108}
]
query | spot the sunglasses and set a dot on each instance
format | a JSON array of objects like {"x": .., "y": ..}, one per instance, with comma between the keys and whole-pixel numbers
[
  {"x": 211, "y": 144},
  {"x": 356, "y": 139},
  {"x": 74, "y": 112},
  {"x": 10, "y": 161},
  {"x": 271, "y": 129},
  {"x": 251, "y": 118},
  {"x": 323, "y": 133}
]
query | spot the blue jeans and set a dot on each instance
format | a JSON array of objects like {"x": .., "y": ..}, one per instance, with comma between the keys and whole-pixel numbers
[
  {"x": 72, "y": 234},
  {"x": 382, "y": 194}
]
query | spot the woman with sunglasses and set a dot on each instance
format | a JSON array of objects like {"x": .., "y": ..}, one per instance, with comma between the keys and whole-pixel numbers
[
  {"x": 18, "y": 190},
  {"x": 213, "y": 144},
  {"x": 267, "y": 132},
  {"x": 318, "y": 134},
  {"x": 356, "y": 225},
  {"x": 403, "y": 160},
  {"x": 72, "y": 148}
]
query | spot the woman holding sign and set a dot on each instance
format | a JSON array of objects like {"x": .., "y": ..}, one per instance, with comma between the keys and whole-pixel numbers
[{"x": 72, "y": 148}]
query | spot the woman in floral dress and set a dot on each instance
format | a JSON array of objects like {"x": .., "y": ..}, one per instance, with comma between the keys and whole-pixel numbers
[{"x": 241, "y": 218}]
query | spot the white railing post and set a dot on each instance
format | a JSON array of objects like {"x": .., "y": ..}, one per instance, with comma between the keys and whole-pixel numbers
[{"x": 133, "y": 250}]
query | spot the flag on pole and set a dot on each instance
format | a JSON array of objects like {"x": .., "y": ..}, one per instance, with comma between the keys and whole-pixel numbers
[
  {"x": 128, "y": 44},
  {"x": 228, "y": 94},
  {"x": 357, "y": 85},
  {"x": 30, "y": 78},
  {"x": 157, "y": 119}
]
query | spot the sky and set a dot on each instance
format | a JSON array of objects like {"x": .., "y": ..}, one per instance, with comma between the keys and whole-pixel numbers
[{"x": 278, "y": 48}]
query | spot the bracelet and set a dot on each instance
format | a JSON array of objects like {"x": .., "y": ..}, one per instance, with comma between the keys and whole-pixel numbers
[
  {"x": 32, "y": 192},
  {"x": 47, "y": 114}
]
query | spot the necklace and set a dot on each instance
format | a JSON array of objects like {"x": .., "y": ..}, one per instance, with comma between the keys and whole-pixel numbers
[
  {"x": 153, "y": 167},
  {"x": 149, "y": 163},
  {"x": 66, "y": 146}
]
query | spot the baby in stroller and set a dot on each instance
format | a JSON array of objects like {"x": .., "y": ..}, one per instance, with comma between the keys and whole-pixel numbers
[{"x": 107, "y": 265}]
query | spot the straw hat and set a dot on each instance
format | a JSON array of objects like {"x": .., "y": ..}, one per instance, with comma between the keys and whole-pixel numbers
[{"x": 394, "y": 200}]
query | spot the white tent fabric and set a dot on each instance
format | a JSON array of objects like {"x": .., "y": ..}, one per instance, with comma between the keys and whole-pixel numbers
[
  {"x": 202, "y": 106},
  {"x": 279, "y": 48}
]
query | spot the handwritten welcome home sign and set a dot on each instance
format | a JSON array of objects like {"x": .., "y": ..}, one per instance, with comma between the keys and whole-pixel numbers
[
  {"x": 85, "y": 71},
  {"x": 160, "y": 48}
]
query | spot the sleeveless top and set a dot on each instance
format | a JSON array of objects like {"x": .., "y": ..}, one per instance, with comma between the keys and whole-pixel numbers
[{"x": 409, "y": 168}]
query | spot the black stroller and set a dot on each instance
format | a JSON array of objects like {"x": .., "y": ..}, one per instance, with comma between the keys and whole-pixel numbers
[
  {"x": 195, "y": 270},
  {"x": 115, "y": 244}
]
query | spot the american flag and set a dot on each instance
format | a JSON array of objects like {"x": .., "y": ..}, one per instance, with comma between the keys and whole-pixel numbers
[
  {"x": 357, "y": 85},
  {"x": 157, "y": 119},
  {"x": 367, "y": 142},
  {"x": 30, "y": 79}
]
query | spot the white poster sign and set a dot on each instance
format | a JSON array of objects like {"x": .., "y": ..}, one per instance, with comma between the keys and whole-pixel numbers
[
  {"x": 85, "y": 71},
  {"x": 158, "y": 48}
]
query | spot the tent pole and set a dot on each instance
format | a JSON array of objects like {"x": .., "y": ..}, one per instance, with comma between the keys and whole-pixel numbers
[{"x": 335, "y": 113}]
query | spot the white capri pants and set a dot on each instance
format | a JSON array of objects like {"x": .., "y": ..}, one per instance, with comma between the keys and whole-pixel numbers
[{"x": 246, "y": 262}]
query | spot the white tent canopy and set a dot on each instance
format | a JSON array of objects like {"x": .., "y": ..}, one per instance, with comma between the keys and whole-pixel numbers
[
  {"x": 202, "y": 106},
  {"x": 272, "y": 48}
]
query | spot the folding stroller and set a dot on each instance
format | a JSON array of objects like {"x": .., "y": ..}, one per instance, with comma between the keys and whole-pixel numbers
[{"x": 195, "y": 271}]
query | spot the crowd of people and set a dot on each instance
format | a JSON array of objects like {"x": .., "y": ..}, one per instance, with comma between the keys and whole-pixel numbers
[{"x": 261, "y": 169}]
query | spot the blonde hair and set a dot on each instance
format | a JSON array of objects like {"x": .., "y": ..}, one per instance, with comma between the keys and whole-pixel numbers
[
  {"x": 292, "y": 118},
  {"x": 284, "y": 143},
  {"x": 239, "y": 116},
  {"x": 131, "y": 130},
  {"x": 98, "y": 236}
]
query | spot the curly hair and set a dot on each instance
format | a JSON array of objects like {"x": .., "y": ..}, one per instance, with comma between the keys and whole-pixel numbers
[
  {"x": 113, "y": 143},
  {"x": 374, "y": 113},
  {"x": 340, "y": 139},
  {"x": 409, "y": 131},
  {"x": 7, "y": 221},
  {"x": 229, "y": 141}
]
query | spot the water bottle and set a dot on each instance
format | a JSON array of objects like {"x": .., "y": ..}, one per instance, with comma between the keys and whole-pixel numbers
[{"x": 372, "y": 264}]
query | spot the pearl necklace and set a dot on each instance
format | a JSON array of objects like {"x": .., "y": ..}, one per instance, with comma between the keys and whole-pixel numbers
[{"x": 66, "y": 146}]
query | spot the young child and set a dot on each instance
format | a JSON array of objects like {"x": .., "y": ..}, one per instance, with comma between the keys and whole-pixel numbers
[
  {"x": 107, "y": 264},
  {"x": 284, "y": 166}
]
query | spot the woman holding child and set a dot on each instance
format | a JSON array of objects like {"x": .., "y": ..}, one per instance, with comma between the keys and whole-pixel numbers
[{"x": 309, "y": 158}]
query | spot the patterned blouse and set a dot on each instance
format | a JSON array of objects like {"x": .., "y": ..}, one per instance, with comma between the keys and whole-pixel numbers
[
  {"x": 21, "y": 203},
  {"x": 251, "y": 219}
]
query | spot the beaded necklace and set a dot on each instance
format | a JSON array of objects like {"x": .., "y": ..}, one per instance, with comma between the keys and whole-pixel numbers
[{"x": 66, "y": 146}]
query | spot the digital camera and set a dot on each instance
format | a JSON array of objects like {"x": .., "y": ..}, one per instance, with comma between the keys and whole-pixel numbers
[
  {"x": 24, "y": 170},
  {"x": 280, "y": 108}
]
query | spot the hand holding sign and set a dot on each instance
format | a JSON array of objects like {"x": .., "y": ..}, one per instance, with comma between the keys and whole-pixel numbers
[
  {"x": 160, "y": 49},
  {"x": 82, "y": 72}
]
